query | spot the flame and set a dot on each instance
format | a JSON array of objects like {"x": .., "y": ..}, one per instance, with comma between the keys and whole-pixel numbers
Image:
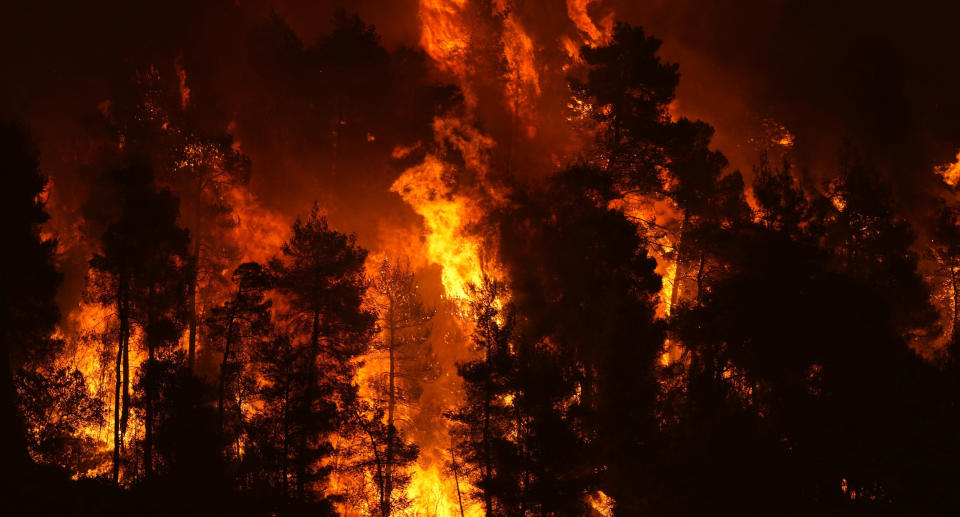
[
  {"x": 432, "y": 493},
  {"x": 523, "y": 78},
  {"x": 182, "y": 78},
  {"x": 259, "y": 232},
  {"x": 594, "y": 35},
  {"x": 443, "y": 35},
  {"x": 950, "y": 172},
  {"x": 446, "y": 215}
]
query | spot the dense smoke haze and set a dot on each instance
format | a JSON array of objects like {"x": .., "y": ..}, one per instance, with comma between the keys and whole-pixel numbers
[{"x": 480, "y": 257}]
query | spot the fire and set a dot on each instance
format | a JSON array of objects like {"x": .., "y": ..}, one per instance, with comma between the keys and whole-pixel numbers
[
  {"x": 444, "y": 37},
  {"x": 523, "y": 80},
  {"x": 950, "y": 172},
  {"x": 259, "y": 232},
  {"x": 446, "y": 216},
  {"x": 594, "y": 35},
  {"x": 659, "y": 219}
]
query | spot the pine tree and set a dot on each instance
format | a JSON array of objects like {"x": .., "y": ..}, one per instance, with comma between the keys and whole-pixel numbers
[
  {"x": 141, "y": 270},
  {"x": 404, "y": 330},
  {"x": 238, "y": 326},
  {"x": 28, "y": 286},
  {"x": 320, "y": 275},
  {"x": 484, "y": 419}
]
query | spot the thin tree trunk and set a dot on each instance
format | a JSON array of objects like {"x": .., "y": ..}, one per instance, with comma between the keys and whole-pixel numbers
[
  {"x": 391, "y": 406},
  {"x": 700, "y": 279},
  {"x": 677, "y": 274},
  {"x": 223, "y": 369},
  {"x": 378, "y": 462},
  {"x": 125, "y": 410},
  {"x": 308, "y": 394},
  {"x": 286, "y": 441},
  {"x": 118, "y": 399},
  {"x": 485, "y": 442},
  {"x": 150, "y": 389},
  {"x": 456, "y": 475},
  {"x": 955, "y": 285},
  {"x": 192, "y": 295}
]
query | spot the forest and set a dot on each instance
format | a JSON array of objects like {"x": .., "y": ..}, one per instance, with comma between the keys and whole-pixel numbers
[{"x": 478, "y": 257}]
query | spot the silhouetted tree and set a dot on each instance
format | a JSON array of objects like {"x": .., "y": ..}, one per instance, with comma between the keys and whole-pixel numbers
[
  {"x": 236, "y": 326},
  {"x": 194, "y": 157},
  {"x": 141, "y": 271},
  {"x": 800, "y": 366},
  {"x": 320, "y": 274},
  {"x": 28, "y": 285},
  {"x": 404, "y": 330},
  {"x": 647, "y": 154},
  {"x": 485, "y": 416},
  {"x": 586, "y": 290},
  {"x": 58, "y": 412}
]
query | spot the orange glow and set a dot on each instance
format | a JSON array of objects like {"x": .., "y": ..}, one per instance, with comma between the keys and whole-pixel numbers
[
  {"x": 445, "y": 38},
  {"x": 258, "y": 232},
  {"x": 523, "y": 78},
  {"x": 950, "y": 172},
  {"x": 594, "y": 34},
  {"x": 446, "y": 215}
]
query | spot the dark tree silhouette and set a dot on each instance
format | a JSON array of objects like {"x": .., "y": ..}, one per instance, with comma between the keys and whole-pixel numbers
[
  {"x": 800, "y": 366},
  {"x": 141, "y": 271},
  {"x": 28, "y": 285},
  {"x": 58, "y": 410},
  {"x": 586, "y": 289},
  {"x": 196, "y": 159},
  {"x": 404, "y": 329},
  {"x": 320, "y": 274},
  {"x": 484, "y": 421},
  {"x": 238, "y": 326}
]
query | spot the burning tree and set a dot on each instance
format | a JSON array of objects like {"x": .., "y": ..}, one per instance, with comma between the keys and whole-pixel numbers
[
  {"x": 320, "y": 276},
  {"x": 141, "y": 271},
  {"x": 404, "y": 323},
  {"x": 239, "y": 327}
]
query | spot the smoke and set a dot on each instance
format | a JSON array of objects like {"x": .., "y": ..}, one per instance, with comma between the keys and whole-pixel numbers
[{"x": 879, "y": 75}]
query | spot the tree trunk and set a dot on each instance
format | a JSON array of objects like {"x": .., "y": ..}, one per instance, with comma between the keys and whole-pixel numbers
[
  {"x": 192, "y": 294},
  {"x": 305, "y": 406},
  {"x": 286, "y": 441},
  {"x": 485, "y": 442},
  {"x": 391, "y": 407},
  {"x": 677, "y": 274},
  {"x": 223, "y": 369},
  {"x": 120, "y": 398},
  {"x": 955, "y": 286},
  {"x": 150, "y": 389},
  {"x": 456, "y": 474},
  {"x": 700, "y": 269}
]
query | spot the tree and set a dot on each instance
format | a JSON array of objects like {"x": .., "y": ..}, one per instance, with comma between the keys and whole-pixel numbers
[
  {"x": 859, "y": 219},
  {"x": 485, "y": 417},
  {"x": 195, "y": 158},
  {"x": 629, "y": 90},
  {"x": 239, "y": 324},
  {"x": 650, "y": 155},
  {"x": 800, "y": 365},
  {"x": 141, "y": 270},
  {"x": 586, "y": 289},
  {"x": 28, "y": 286},
  {"x": 58, "y": 410},
  {"x": 320, "y": 274},
  {"x": 404, "y": 324}
]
